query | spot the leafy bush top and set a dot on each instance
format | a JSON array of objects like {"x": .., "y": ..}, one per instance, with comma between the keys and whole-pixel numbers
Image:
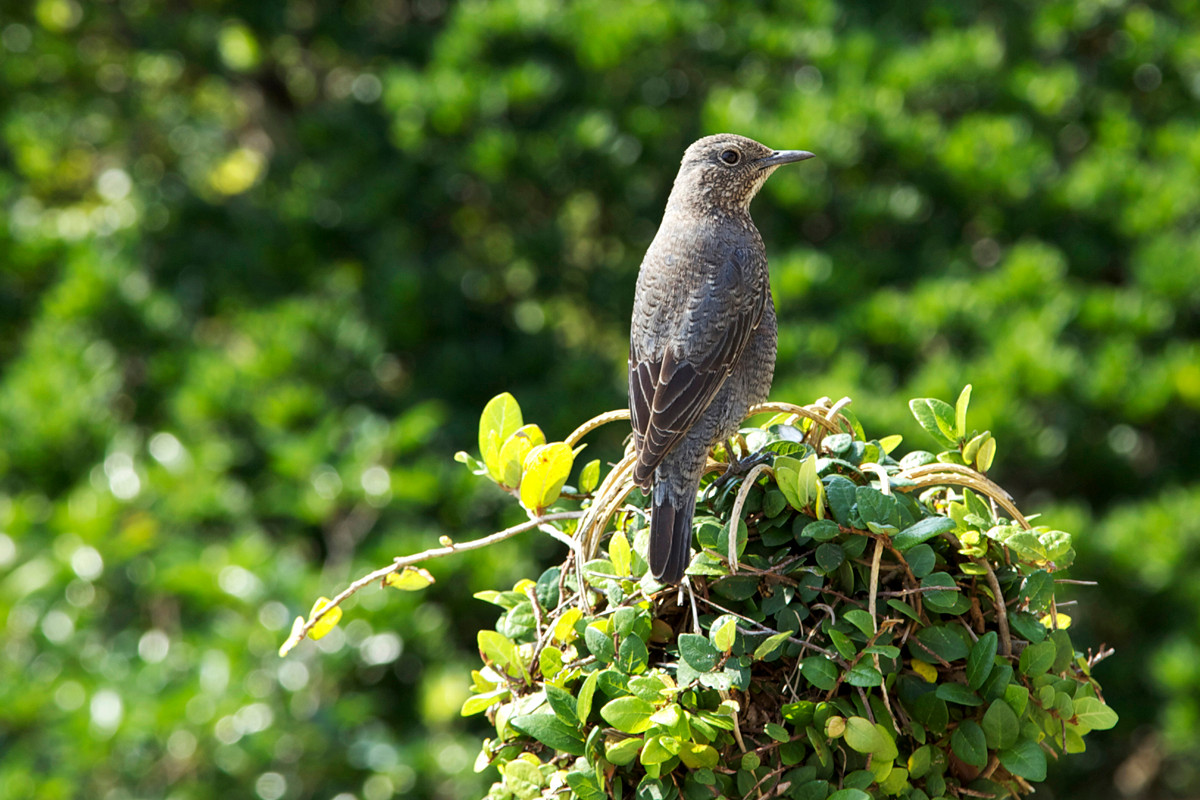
[{"x": 874, "y": 627}]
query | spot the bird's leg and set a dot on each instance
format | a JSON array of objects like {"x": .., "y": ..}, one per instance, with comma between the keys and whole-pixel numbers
[{"x": 740, "y": 466}]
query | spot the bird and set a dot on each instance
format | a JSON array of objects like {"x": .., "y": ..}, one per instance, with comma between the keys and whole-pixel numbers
[{"x": 703, "y": 332}]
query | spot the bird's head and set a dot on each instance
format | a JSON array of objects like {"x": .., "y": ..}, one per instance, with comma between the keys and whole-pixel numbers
[{"x": 727, "y": 170}]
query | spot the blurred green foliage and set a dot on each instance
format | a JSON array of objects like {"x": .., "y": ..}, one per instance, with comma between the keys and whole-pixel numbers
[{"x": 263, "y": 263}]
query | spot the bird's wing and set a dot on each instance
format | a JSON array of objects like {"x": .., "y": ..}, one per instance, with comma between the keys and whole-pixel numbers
[{"x": 672, "y": 383}]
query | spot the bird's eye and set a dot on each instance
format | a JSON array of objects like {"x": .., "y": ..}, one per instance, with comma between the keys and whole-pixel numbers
[{"x": 730, "y": 157}]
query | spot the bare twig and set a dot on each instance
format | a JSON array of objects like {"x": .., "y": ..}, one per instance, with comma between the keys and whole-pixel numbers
[{"x": 434, "y": 552}]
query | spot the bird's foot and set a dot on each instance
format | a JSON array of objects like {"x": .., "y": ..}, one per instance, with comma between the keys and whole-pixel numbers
[{"x": 740, "y": 467}]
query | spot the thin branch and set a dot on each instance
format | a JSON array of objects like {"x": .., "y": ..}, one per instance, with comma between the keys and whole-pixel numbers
[{"x": 434, "y": 552}]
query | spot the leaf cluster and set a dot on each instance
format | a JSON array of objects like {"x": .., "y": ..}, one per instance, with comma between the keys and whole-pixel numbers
[{"x": 859, "y": 626}]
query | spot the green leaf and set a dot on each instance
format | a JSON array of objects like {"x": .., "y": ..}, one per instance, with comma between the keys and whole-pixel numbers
[
  {"x": 1026, "y": 760},
  {"x": 500, "y": 419},
  {"x": 583, "y": 705},
  {"x": 589, "y": 476},
  {"x": 1093, "y": 714},
  {"x": 1037, "y": 658},
  {"x": 633, "y": 657},
  {"x": 849, "y": 794},
  {"x": 981, "y": 659},
  {"x": 937, "y": 418},
  {"x": 957, "y": 693},
  {"x": 550, "y": 731},
  {"x": 628, "y": 714},
  {"x": 861, "y": 620},
  {"x": 599, "y": 643},
  {"x": 698, "y": 756},
  {"x": 787, "y": 478},
  {"x": 1000, "y": 725},
  {"x": 945, "y": 594},
  {"x": 820, "y": 672},
  {"x": 546, "y": 470},
  {"x": 969, "y": 743},
  {"x": 960, "y": 413},
  {"x": 659, "y": 749},
  {"x": 842, "y": 644},
  {"x": 623, "y": 751},
  {"x": 830, "y": 556},
  {"x": 921, "y": 560},
  {"x": 776, "y": 732},
  {"x": 922, "y": 531},
  {"x": 944, "y": 641},
  {"x": 821, "y": 530},
  {"x": 563, "y": 704},
  {"x": 586, "y": 785},
  {"x": 863, "y": 674},
  {"x": 697, "y": 652}
]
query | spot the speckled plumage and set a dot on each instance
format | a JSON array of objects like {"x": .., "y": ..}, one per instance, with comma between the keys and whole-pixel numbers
[{"x": 702, "y": 338}]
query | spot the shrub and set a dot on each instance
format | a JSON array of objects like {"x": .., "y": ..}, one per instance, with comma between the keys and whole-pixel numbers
[{"x": 874, "y": 627}]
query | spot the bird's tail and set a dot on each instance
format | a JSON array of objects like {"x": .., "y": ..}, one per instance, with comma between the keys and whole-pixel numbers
[{"x": 671, "y": 531}]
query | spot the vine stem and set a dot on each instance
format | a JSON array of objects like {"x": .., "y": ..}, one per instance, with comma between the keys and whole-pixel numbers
[{"x": 736, "y": 516}]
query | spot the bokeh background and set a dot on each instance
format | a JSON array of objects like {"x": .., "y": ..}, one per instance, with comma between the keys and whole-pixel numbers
[{"x": 261, "y": 264}]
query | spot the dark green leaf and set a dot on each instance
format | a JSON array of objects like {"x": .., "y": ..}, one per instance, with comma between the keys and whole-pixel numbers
[
  {"x": 840, "y": 492},
  {"x": 982, "y": 659},
  {"x": 922, "y": 531},
  {"x": 1037, "y": 658},
  {"x": 940, "y": 599},
  {"x": 957, "y": 693},
  {"x": 863, "y": 674},
  {"x": 1025, "y": 759},
  {"x": 944, "y": 640},
  {"x": 969, "y": 743},
  {"x": 820, "y": 672},
  {"x": 1000, "y": 725},
  {"x": 921, "y": 560},
  {"x": 830, "y": 556}
]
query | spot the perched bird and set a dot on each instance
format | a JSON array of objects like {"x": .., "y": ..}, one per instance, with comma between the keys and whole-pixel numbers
[{"x": 702, "y": 340}]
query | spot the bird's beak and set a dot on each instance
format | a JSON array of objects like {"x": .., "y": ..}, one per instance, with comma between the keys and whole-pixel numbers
[{"x": 780, "y": 157}]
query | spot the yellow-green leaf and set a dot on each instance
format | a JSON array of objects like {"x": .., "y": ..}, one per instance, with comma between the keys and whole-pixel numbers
[
  {"x": 589, "y": 478},
  {"x": 515, "y": 449},
  {"x": 327, "y": 620},
  {"x": 987, "y": 452},
  {"x": 564, "y": 627},
  {"x": 409, "y": 579},
  {"x": 960, "y": 412},
  {"x": 500, "y": 419},
  {"x": 925, "y": 670},
  {"x": 546, "y": 471},
  {"x": 890, "y": 443},
  {"x": 619, "y": 553},
  {"x": 971, "y": 449}
]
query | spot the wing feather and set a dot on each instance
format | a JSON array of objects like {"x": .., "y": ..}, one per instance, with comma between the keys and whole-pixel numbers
[{"x": 672, "y": 383}]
